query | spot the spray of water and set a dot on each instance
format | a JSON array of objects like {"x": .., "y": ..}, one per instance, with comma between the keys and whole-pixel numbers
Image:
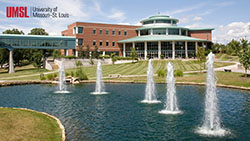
[
  {"x": 100, "y": 87},
  {"x": 150, "y": 93},
  {"x": 62, "y": 88},
  {"x": 211, "y": 124},
  {"x": 171, "y": 106}
]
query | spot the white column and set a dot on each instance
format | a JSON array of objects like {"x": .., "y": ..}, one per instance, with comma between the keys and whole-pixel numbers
[
  {"x": 173, "y": 49},
  {"x": 11, "y": 63},
  {"x": 145, "y": 50},
  {"x": 186, "y": 32},
  {"x": 166, "y": 31},
  {"x": 159, "y": 49},
  {"x": 196, "y": 47},
  {"x": 76, "y": 54},
  {"x": 124, "y": 52},
  {"x": 151, "y": 31},
  {"x": 179, "y": 31},
  {"x": 133, "y": 44},
  {"x": 103, "y": 53},
  {"x": 67, "y": 52},
  {"x": 186, "y": 49},
  {"x": 139, "y": 33},
  {"x": 203, "y": 44}
]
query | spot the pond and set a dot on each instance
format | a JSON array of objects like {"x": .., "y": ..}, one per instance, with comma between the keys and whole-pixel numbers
[{"x": 120, "y": 115}]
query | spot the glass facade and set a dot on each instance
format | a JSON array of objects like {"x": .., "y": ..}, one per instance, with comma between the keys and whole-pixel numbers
[
  {"x": 166, "y": 49},
  {"x": 139, "y": 47},
  {"x": 148, "y": 22},
  {"x": 173, "y": 31},
  {"x": 160, "y": 31},
  {"x": 180, "y": 49},
  {"x": 152, "y": 49},
  {"x": 32, "y": 43},
  {"x": 163, "y": 21}
]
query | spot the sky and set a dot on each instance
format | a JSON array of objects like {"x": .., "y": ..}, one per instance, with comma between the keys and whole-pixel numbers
[{"x": 230, "y": 18}]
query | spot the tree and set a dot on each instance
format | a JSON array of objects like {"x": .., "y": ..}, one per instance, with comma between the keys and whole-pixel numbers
[
  {"x": 114, "y": 58},
  {"x": 38, "y": 31},
  {"x": 3, "y": 56},
  {"x": 18, "y": 54},
  {"x": 201, "y": 56},
  {"x": 37, "y": 59},
  {"x": 95, "y": 53},
  {"x": 133, "y": 54},
  {"x": 13, "y": 31},
  {"x": 56, "y": 53},
  {"x": 80, "y": 52},
  {"x": 87, "y": 52},
  {"x": 41, "y": 31},
  {"x": 244, "y": 55},
  {"x": 234, "y": 47}
]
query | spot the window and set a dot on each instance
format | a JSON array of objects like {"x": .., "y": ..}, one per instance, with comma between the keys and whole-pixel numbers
[
  {"x": 148, "y": 22},
  {"x": 107, "y": 43},
  {"x": 100, "y": 43},
  {"x": 125, "y": 33},
  {"x": 145, "y": 32},
  {"x": 160, "y": 31},
  {"x": 107, "y": 32},
  {"x": 94, "y": 43},
  {"x": 100, "y": 31},
  {"x": 113, "y": 32},
  {"x": 80, "y": 30},
  {"x": 174, "y": 22},
  {"x": 183, "y": 32},
  {"x": 163, "y": 21},
  {"x": 94, "y": 31},
  {"x": 74, "y": 30},
  {"x": 173, "y": 31},
  {"x": 119, "y": 32},
  {"x": 113, "y": 44},
  {"x": 80, "y": 42}
]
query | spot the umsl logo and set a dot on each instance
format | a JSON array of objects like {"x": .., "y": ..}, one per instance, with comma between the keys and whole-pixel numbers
[{"x": 16, "y": 12}]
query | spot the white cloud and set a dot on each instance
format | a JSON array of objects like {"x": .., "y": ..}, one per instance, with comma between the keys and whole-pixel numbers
[
  {"x": 186, "y": 9},
  {"x": 197, "y": 18},
  {"x": 234, "y": 30},
  {"x": 117, "y": 15}
]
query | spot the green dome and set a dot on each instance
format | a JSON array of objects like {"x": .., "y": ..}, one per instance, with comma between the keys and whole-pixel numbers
[{"x": 159, "y": 17}]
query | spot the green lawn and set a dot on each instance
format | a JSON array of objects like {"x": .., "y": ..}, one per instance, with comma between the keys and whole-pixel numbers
[
  {"x": 226, "y": 78},
  {"x": 225, "y": 57},
  {"x": 22, "y": 125},
  {"x": 140, "y": 68},
  {"x": 19, "y": 71}
]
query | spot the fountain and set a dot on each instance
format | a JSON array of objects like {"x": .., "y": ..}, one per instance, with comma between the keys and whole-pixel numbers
[
  {"x": 62, "y": 88},
  {"x": 211, "y": 124},
  {"x": 100, "y": 87},
  {"x": 150, "y": 96},
  {"x": 171, "y": 102}
]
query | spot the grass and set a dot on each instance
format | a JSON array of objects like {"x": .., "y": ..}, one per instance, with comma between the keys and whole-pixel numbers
[
  {"x": 140, "y": 68},
  {"x": 21, "y": 71},
  {"x": 225, "y": 57},
  {"x": 226, "y": 78},
  {"x": 17, "y": 124}
]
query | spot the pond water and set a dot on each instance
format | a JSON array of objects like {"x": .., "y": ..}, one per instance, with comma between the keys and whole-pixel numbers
[{"x": 121, "y": 116}]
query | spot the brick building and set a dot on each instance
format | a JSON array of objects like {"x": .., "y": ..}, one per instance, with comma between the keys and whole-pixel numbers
[{"x": 158, "y": 37}]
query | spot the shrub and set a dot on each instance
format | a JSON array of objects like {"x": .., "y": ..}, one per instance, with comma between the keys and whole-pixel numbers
[
  {"x": 81, "y": 74},
  {"x": 161, "y": 73},
  {"x": 114, "y": 59},
  {"x": 178, "y": 73},
  {"x": 72, "y": 73},
  {"x": 51, "y": 76},
  {"x": 67, "y": 74},
  {"x": 42, "y": 78},
  {"x": 162, "y": 56},
  {"x": 70, "y": 57}
]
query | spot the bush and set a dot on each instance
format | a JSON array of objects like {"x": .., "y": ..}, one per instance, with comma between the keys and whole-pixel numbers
[
  {"x": 81, "y": 74},
  {"x": 162, "y": 56},
  {"x": 178, "y": 73},
  {"x": 67, "y": 74},
  {"x": 70, "y": 57},
  {"x": 72, "y": 73},
  {"x": 42, "y": 78},
  {"x": 51, "y": 76},
  {"x": 161, "y": 73}
]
